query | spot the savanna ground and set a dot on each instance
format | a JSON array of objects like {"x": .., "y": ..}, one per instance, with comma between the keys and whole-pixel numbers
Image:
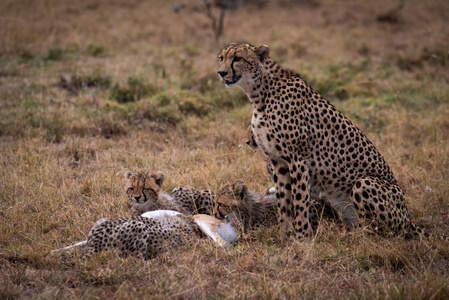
[{"x": 91, "y": 89}]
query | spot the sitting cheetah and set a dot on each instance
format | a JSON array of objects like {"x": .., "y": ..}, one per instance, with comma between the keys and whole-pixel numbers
[
  {"x": 155, "y": 232},
  {"x": 256, "y": 211},
  {"x": 312, "y": 146},
  {"x": 145, "y": 193}
]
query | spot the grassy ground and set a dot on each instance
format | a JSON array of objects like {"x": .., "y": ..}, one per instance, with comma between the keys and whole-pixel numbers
[{"x": 91, "y": 89}]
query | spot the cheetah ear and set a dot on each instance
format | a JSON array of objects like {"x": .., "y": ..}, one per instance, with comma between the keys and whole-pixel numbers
[
  {"x": 263, "y": 52},
  {"x": 232, "y": 44},
  {"x": 240, "y": 188},
  {"x": 159, "y": 178},
  {"x": 128, "y": 175}
]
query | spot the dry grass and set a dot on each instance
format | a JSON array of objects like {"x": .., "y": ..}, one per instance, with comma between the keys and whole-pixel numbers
[{"x": 64, "y": 152}]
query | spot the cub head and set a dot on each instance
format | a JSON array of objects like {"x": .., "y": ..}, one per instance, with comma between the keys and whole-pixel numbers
[
  {"x": 143, "y": 190},
  {"x": 230, "y": 199},
  {"x": 240, "y": 64}
]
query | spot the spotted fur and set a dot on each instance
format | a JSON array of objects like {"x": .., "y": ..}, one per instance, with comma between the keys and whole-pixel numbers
[{"x": 142, "y": 237}]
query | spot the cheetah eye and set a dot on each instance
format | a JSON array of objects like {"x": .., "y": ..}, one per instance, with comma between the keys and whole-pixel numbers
[
  {"x": 220, "y": 58},
  {"x": 131, "y": 188},
  {"x": 237, "y": 58},
  {"x": 149, "y": 190}
]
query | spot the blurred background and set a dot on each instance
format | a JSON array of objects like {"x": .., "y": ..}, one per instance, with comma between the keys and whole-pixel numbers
[{"x": 161, "y": 55}]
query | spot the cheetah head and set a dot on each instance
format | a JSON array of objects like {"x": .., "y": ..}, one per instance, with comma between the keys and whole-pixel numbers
[
  {"x": 230, "y": 199},
  {"x": 143, "y": 190},
  {"x": 240, "y": 64}
]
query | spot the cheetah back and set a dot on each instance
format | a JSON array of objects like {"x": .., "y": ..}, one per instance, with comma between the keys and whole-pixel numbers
[{"x": 140, "y": 236}]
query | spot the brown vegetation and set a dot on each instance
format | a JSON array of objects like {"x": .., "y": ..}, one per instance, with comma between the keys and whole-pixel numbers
[{"x": 158, "y": 105}]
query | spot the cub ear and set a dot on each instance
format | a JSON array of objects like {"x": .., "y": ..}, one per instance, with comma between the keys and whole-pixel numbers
[
  {"x": 240, "y": 189},
  {"x": 158, "y": 178},
  {"x": 128, "y": 175},
  {"x": 224, "y": 190},
  {"x": 263, "y": 52}
]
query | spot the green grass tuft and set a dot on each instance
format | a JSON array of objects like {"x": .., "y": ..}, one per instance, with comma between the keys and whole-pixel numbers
[
  {"x": 95, "y": 49},
  {"x": 55, "y": 54}
]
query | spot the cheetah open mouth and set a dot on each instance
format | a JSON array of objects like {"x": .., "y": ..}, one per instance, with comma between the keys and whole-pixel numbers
[{"x": 235, "y": 80}]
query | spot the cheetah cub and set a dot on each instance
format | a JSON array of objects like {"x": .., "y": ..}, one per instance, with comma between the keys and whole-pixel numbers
[
  {"x": 145, "y": 193},
  {"x": 155, "y": 232},
  {"x": 257, "y": 211}
]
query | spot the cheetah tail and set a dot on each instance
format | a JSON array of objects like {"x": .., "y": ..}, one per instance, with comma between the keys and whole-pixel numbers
[
  {"x": 419, "y": 233},
  {"x": 69, "y": 248}
]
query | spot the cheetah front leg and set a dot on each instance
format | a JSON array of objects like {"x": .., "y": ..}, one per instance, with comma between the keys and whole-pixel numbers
[
  {"x": 282, "y": 180},
  {"x": 299, "y": 173}
]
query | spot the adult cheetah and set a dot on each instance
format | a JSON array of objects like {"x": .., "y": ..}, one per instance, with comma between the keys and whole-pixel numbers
[
  {"x": 312, "y": 145},
  {"x": 145, "y": 193}
]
